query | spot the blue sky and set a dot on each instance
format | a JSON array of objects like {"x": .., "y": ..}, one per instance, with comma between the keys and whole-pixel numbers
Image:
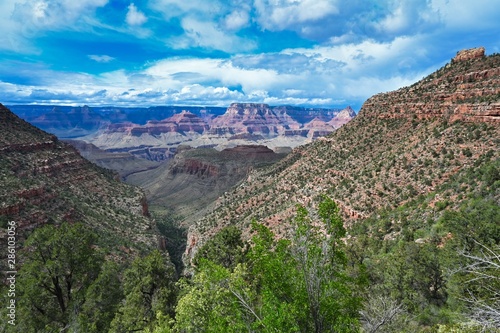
[{"x": 324, "y": 53}]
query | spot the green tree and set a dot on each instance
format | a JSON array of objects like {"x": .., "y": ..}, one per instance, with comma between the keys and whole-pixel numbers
[
  {"x": 61, "y": 262},
  {"x": 102, "y": 300},
  {"x": 320, "y": 258},
  {"x": 215, "y": 300},
  {"x": 281, "y": 305},
  {"x": 226, "y": 248},
  {"x": 149, "y": 289},
  {"x": 476, "y": 221},
  {"x": 282, "y": 286}
]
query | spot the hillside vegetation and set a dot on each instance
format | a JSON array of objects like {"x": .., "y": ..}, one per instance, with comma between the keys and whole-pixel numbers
[
  {"x": 395, "y": 150},
  {"x": 46, "y": 181}
]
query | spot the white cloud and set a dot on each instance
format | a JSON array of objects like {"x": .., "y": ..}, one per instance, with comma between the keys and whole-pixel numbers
[
  {"x": 9, "y": 38},
  {"x": 21, "y": 21},
  {"x": 236, "y": 20},
  {"x": 369, "y": 56},
  {"x": 213, "y": 70},
  {"x": 101, "y": 58},
  {"x": 134, "y": 16},
  {"x": 53, "y": 14},
  {"x": 283, "y": 14},
  {"x": 364, "y": 49},
  {"x": 206, "y": 34},
  {"x": 322, "y": 76},
  {"x": 408, "y": 17},
  {"x": 208, "y": 24}
]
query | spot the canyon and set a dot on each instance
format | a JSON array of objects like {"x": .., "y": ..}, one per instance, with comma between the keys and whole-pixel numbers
[
  {"x": 402, "y": 145},
  {"x": 154, "y": 133}
]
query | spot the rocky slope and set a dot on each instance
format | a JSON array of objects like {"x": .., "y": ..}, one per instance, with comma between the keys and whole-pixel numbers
[
  {"x": 403, "y": 144},
  {"x": 467, "y": 89},
  {"x": 195, "y": 178},
  {"x": 45, "y": 180}
]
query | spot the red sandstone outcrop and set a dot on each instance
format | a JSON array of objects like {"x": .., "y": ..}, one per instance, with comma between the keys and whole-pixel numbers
[
  {"x": 470, "y": 54},
  {"x": 250, "y": 118},
  {"x": 189, "y": 122},
  {"x": 181, "y": 122},
  {"x": 195, "y": 167},
  {"x": 270, "y": 122}
]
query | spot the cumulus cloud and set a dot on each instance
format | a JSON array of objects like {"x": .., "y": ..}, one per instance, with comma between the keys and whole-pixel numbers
[
  {"x": 12, "y": 37},
  {"x": 467, "y": 15},
  {"x": 236, "y": 20},
  {"x": 408, "y": 17},
  {"x": 134, "y": 16},
  {"x": 208, "y": 24}
]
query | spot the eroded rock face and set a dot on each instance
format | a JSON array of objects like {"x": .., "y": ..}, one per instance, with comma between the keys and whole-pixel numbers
[
  {"x": 248, "y": 123},
  {"x": 179, "y": 123},
  {"x": 195, "y": 167},
  {"x": 250, "y": 118},
  {"x": 467, "y": 89},
  {"x": 78, "y": 121},
  {"x": 470, "y": 54},
  {"x": 343, "y": 117},
  {"x": 261, "y": 119},
  {"x": 189, "y": 122}
]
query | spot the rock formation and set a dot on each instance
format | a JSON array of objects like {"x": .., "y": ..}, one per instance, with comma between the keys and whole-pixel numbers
[
  {"x": 45, "y": 180},
  {"x": 250, "y": 118},
  {"x": 147, "y": 133},
  {"x": 466, "y": 89},
  {"x": 78, "y": 121},
  {"x": 469, "y": 54}
]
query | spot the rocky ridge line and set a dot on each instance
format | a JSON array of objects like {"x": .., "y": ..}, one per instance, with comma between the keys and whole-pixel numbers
[{"x": 466, "y": 89}]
